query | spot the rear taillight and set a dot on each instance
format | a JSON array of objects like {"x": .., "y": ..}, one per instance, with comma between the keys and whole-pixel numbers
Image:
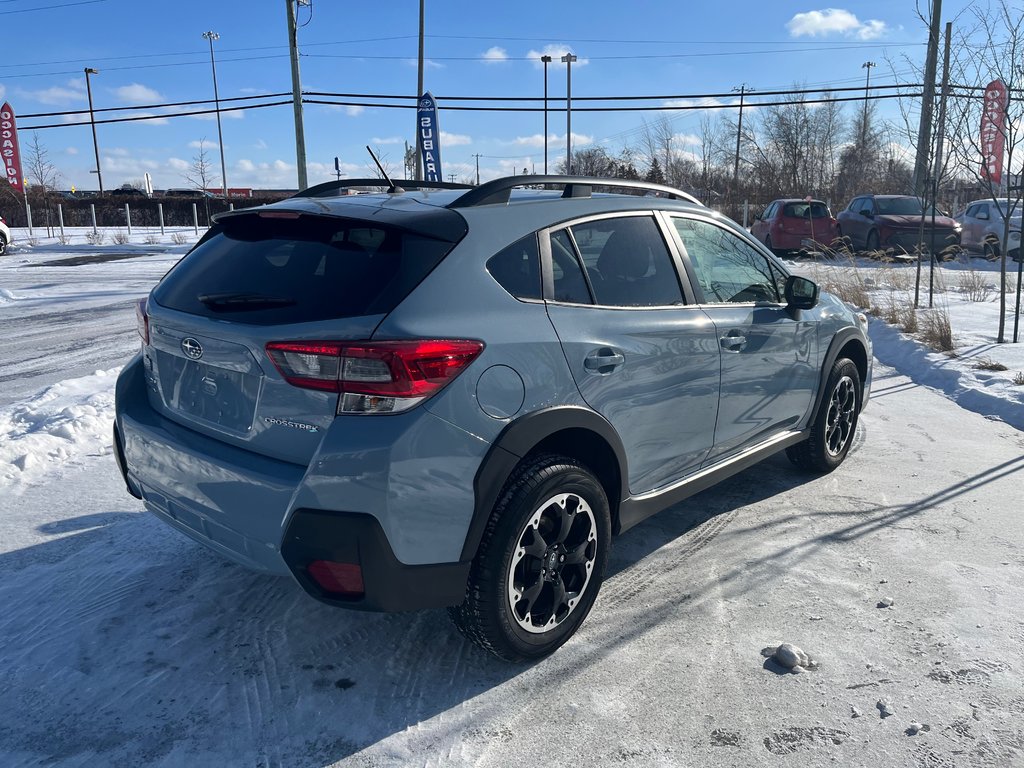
[
  {"x": 142, "y": 320},
  {"x": 374, "y": 376}
]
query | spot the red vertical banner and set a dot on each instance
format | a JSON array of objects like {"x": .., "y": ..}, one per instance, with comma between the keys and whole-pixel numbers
[
  {"x": 9, "y": 148},
  {"x": 993, "y": 131}
]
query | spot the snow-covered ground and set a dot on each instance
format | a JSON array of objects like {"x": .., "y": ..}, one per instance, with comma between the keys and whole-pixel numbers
[{"x": 123, "y": 643}]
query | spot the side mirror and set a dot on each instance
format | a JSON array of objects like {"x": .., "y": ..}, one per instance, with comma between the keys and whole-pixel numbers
[
  {"x": 866, "y": 212},
  {"x": 801, "y": 293}
]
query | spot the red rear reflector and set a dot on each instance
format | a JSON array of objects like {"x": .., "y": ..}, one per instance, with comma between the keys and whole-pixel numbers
[{"x": 337, "y": 578}]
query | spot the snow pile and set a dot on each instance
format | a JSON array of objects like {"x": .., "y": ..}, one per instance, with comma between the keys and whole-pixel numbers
[{"x": 64, "y": 423}]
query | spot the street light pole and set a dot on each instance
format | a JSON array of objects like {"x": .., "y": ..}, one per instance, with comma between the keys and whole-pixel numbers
[
  {"x": 211, "y": 36},
  {"x": 546, "y": 60},
  {"x": 568, "y": 59},
  {"x": 92, "y": 122}
]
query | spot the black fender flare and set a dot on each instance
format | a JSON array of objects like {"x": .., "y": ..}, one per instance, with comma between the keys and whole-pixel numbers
[
  {"x": 516, "y": 441},
  {"x": 839, "y": 342}
]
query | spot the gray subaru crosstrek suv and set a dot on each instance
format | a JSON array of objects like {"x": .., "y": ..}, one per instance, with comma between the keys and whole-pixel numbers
[{"x": 455, "y": 397}]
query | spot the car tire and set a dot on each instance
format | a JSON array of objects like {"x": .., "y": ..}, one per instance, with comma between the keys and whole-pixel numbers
[
  {"x": 3, "y": 245},
  {"x": 991, "y": 250},
  {"x": 546, "y": 544},
  {"x": 871, "y": 243},
  {"x": 835, "y": 423}
]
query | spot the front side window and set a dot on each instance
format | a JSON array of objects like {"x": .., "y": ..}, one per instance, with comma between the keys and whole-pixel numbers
[
  {"x": 626, "y": 261},
  {"x": 729, "y": 269}
]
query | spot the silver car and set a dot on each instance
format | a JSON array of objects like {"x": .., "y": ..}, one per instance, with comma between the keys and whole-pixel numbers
[
  {"x": 983, "y": 223},
  {"x": 5, "y": 236},
  {"x": 455, "y": 397}
]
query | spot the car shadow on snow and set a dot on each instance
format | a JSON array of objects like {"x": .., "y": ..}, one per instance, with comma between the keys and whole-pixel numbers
[{"x": 127, "y": 643}]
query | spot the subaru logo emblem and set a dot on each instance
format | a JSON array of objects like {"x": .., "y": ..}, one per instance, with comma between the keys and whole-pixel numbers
[{"x": 192, "y": 348}]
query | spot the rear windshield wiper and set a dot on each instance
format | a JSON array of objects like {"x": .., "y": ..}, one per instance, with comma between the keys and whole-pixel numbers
[{"x": 227, "y": 302}]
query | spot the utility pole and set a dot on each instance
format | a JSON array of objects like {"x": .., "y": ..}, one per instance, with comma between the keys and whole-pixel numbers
[
  {"x": 546, "y": 60},
  {"x": 867, "y": 85},
  {"x": 568, "y": 59},
  {"x": 92, "y": 122},
  {"x": 419, "y": 92},
  {"x": 293, "y": 50},
  {"x": 477, "y": 156},
  {"x": 924, "y": 130},
  {"x": 743, "y": 89},
  {"x": 211, "y": 36},
  {"x": 940, "y": 138}
]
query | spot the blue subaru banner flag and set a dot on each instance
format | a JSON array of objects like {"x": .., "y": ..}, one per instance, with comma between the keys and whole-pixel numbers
[{"x": 428, "y": 135}]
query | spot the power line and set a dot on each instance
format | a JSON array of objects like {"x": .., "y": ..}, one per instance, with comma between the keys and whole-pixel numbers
[{"x": 51, "y": 7}]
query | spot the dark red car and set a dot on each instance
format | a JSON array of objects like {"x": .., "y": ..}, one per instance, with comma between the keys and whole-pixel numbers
[
  {"x": 793, "y": 225},
  {"x": 874, "y": 222}
]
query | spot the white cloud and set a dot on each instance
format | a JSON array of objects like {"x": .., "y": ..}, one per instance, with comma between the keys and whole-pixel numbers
[
  {"x": 177, "y": 164},
  {"x": 260, "y": 144},
  {"x": 354, "y": 110},
  {"x": 686, "y": 139},
  {"x": 454, "y": 139},
  {"x": 59, "y": 96},
  {"x": 3, "y": 90},
  {"x": 146, "y": 118},
  {"x": 554, "y": 140},
  {"x": 68, "y": 150},
  {"x": 427, "y": 63},
  {"x": 136, "y": 92},
  {"x": 204, "y": 144},
  {"x": 834, "y": 21},
  {"x": 388, "y": 140},
  {"x": 556, "y": 52},
  {"x": 495, "y": 54},
  {"x": 235, "y": 115}
]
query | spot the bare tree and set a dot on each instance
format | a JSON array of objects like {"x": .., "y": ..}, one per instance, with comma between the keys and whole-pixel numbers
[
  {"x": 43, "y": 176},
  {"x": 996, "y": 46},
  {"x": 201, "y": 174},
  {"x": 42, "y": 173}
]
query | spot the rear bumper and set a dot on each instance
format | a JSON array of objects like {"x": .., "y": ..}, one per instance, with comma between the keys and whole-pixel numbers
[
  {"x": 394, "y": 495},
  {"x": 390, "y": 585}
]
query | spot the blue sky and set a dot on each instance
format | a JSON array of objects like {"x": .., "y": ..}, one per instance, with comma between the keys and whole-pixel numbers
[{"x": 151, "y": 52}]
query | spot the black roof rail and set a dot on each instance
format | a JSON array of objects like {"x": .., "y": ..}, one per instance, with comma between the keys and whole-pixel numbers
[
  {"x": 500, "y": 190},
  {"x": 332, "y": 188}
]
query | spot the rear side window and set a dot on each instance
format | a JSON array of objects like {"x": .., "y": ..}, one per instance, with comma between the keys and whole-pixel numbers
[
  {"x": 268, "y": 271},
  {"x": 517, "y": 268},
  {"x": 627, "y": 262}
]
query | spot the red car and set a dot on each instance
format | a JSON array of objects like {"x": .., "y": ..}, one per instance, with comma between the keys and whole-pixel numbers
[{"x": 793, "y": 225}]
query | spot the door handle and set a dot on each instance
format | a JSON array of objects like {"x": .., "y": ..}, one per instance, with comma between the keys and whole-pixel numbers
[
  {"x": 604, "y": 360},
  {"x": 734, "y": 341}
]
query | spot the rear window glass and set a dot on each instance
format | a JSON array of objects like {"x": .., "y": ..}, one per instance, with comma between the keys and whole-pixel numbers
[
  {"x": 270, "y": 271},
  {"x": 804, "y": 210}
]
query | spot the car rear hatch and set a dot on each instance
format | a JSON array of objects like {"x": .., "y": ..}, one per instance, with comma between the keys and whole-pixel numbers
[
  {"x": 807, "y": 220},
  {"x": 267, "y": 277}
]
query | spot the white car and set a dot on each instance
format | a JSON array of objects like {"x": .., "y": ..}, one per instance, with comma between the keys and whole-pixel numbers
[
  {"x": 983, "y": 224},
  {"x": 5, "y": 236}
]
